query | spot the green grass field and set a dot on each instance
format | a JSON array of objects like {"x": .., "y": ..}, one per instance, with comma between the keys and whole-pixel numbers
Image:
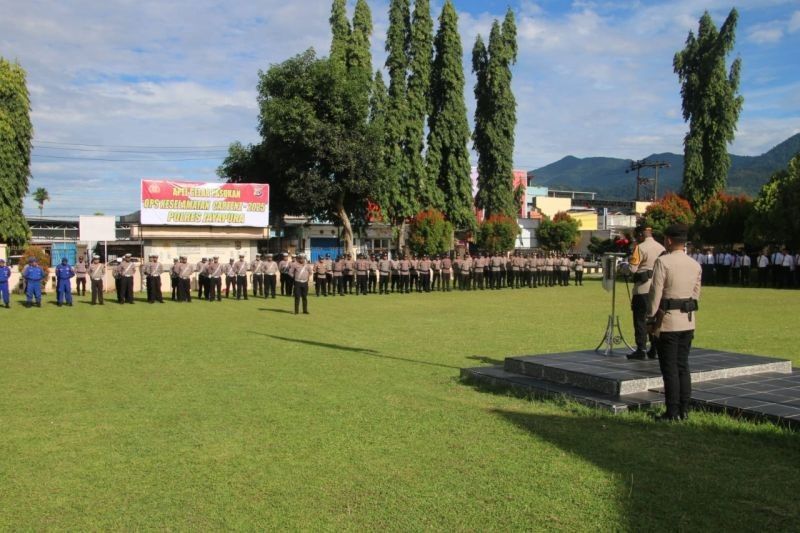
[{"x": 241, "y": 415}]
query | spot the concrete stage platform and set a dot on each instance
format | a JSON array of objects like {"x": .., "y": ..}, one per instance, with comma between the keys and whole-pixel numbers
[{"x": 749, "y": 385}]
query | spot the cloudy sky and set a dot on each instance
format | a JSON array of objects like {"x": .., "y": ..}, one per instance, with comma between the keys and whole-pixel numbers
[{"x": 123, "y": 90}]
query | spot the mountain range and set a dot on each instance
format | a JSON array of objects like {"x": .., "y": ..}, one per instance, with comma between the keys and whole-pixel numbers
[{"x": 607, "y": 176}]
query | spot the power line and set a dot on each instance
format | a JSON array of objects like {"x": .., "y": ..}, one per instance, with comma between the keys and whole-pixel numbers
[
  {"x": 113, "y": 150},
  {"x": 127, "y": 145},
  {"x": 128, "y": 160}
]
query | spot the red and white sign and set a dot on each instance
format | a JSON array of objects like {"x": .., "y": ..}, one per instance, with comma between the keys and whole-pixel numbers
[{"x": 194, "y": 203}]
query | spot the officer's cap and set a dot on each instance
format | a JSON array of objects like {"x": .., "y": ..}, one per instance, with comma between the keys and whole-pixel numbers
[
  {"x": 241, "y": 255},
  {"x": 269, "y": 256},
  {"x": 2, "y": 260},
  {"x": 127, "y": 255},
  {"x": 175, "y": 260},
  {"x": 231, "y": 259},
  {"x": 205, "y": 259},
  {"x": 216, "y": 257},
  {"x": 31, "y": 260},
  {"x": 677, "y": 232},
  {"x": 64, "y": 261}
]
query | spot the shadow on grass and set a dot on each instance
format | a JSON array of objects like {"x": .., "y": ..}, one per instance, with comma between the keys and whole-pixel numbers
[
  {"x": 364, "y": 351},
  {"x": 688, "y": 476},
  {"x": 276, "y": 310},
  {"x": 486, "y": 359}
]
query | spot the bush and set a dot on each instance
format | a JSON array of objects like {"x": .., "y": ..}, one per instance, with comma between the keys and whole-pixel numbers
[
  {"x": 430, "y": 233},
  {"x": 498, "y": 234},
  {"x": 671, "y": 209},
  {"x": 41, "y": 257},
  {"x": 721, "y": 220},
  {"x": 559, "y": 234}
]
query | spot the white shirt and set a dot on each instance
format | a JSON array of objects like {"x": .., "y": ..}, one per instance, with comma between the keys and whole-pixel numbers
[
  {"x": 763, "y": 261},
  {"x": 746, "y": 261}
]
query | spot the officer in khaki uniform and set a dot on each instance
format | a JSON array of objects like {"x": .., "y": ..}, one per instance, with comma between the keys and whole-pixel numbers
[
  {"x": 641, "y": 266},
  {"x": 300, "y": 272},
  {"x": 214, "y": 272},
  {"x": 672, "y": 305}
]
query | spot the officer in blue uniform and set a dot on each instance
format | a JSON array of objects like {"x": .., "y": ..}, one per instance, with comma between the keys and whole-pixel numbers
[
  {"x": 5, "y": 275},
  {"x": 64, "y": 273},
  {"x": 33, "y": 275}
]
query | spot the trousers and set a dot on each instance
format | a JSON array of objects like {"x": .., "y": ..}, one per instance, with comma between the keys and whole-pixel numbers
[{"x": 673, "y": 358}]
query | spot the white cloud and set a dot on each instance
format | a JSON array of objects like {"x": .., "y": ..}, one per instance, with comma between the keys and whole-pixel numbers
[
  {"x": 594, "y": 79},
  {"x": 794, "y": 22},
  {"x": 766, "y": 33}
]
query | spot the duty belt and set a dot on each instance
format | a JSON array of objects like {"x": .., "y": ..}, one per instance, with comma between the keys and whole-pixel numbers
[
  {"x": 684, "y": 305},
  {"x": 643, "y": 276}
]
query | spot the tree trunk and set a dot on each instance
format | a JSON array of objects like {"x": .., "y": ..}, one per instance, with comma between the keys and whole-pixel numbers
[
  {"x": 347, "y": 229},
  {"x": 401, "y": 237}
]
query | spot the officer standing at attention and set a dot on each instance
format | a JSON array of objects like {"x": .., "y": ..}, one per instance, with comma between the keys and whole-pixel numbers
[
  {"x": 270, "y": 277},
  {"x": 300, "y": 273},
  {"x": 320, "y": 277},
  {"x": 579, "y": 271},
  {"x": 424, "y": 268},
  {"x": 80, "y": 277},
  {"x": 257, "y": 268},
  {"x": 230, "y": 279},
  {"x": 671, "y": 307},
  {"x": 64, "y": 273},
  {"x": 202, "y": 278},
  {"x": 33, "y": 276},
  {"x": 185, "y": 271},
  {"x": 240, "y": 270},
  {"x": 126, "y": 271},
  {"x": 153, "y": 270},
  {"x": 5, "y": 275},
  {"x": 173, "y": 279},
  {"x": 385, "y": 268},
  {"x": 641, "y": 266},
  {"x": 97, "y": 271},
  {"x": 362, "y": 271},
  {"x": 214, "y": 273}
]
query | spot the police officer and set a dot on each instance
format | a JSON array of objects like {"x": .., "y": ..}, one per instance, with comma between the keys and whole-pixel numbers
[
  {"x": 240, "y": 271},
  {"x": 320, "y": 277},
  {"x": 373, "y": 274},
  {"x": 230, "y": 279},
  {"x": 672, "y": 304},
  {"x": 33, "y": 275},
  {"x": 447, "y": 273},
  {"x": 337, "y": 275},
  {"x": 347, "y": 273},
  {"x": 97, "y": 272},
  {"x": 173, "y": 279},
  {"x": 202, "y": 278},
  {"x": 214, "y": 272},
  {"x": 257, "y": 268},
  {"x": 126, "y": 270},
  {"x": 152, "y": 271},
  {"x": 270, "y": 277},
  {"x": 64, "y": 273},
  {"x": 424, "y": 269},
  {"x": 384, "y": 269},
  {"x": 300, "y": 273},
  {"x": 362, "y": 272},
  {"x": 80, "y": 277},
  {"x": 641, "y": 266},
  {"x": 283, "y": 267},
  {"x": 185, "y": 271},
  {"x": 5, "y": 275},
  {"x": 579, "y": 262},
  {"x": 404, "y": 271}
]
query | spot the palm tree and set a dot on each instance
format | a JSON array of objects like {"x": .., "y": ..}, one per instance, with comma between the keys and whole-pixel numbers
[{"x": 41, "y": 196}]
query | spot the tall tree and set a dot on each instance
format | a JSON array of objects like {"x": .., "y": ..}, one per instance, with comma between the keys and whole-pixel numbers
[
  {"x": 40, "y": 196},
  {"x": 495, "y": 117},
  {"x": 448, "y": 155},
  {"x": 401, "y": 198},
  {"x": 321, "y": 147},
  {"x": 420, "y": 61},
  {"x": 16, "y": 133},
  {"x": 711, "y": 105},
  {"x": 340, "y": 28},
  {"x": 359, "y": 54}
]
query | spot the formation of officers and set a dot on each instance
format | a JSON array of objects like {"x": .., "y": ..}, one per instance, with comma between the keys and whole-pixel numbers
[
  {"x": 291, "y": 276},
  {"x": 776, "y": 267}
]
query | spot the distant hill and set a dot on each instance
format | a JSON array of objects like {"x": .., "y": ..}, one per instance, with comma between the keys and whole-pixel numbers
[{"x": 606, "y": 175}]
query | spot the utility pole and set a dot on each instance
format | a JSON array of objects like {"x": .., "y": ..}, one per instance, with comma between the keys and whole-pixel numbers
[{"x": 646, "y": 187}]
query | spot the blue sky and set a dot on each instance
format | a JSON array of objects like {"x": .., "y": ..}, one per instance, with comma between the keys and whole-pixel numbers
[{"x": 593, "y": 78}]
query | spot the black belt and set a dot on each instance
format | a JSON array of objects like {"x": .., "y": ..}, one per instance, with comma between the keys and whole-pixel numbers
[
  {"x": 684, "y": 305},
  {"x": 643, "y": 276}
]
